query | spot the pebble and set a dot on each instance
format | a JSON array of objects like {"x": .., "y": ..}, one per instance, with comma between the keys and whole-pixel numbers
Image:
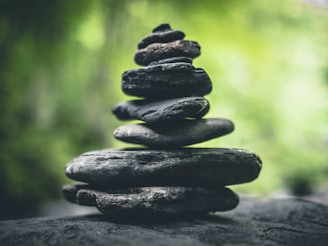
[
  {"x": 172, "y": 60},
  {"x": 183, "y": 133},
  {"x": 190, "y": 167},
  {"x": 162, "y": 112},
  {"x": 166, "y": 80},
  {"x": 159, "y": 51}
]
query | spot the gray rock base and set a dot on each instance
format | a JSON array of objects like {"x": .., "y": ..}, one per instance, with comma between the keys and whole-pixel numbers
[
  {"x": 162, "y": 112},
  {"x": 287, "y": 222},
  {"x": 153, "y": 201},
  {"x": 191, "y": 167},
  {"x": 183, "y": 133}
]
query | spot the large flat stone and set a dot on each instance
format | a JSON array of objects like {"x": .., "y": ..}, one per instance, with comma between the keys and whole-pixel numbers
[
  {"x": 166, "y": 80},
  {"x": 153, "y": 201},
  {"x": 183, "y": 133},
  {"x": 191, "y": 167},
  {"x": 159, "y": 51},
  {"x": 162, "y": 112},
  {"x": 255, "y": 222}
]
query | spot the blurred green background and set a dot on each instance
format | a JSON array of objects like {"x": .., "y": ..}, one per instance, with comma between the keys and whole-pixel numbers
[{"x": 60, "y": 72}]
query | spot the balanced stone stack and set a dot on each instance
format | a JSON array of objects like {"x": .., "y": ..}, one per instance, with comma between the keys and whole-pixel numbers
[{"x": 166, "y": 178}]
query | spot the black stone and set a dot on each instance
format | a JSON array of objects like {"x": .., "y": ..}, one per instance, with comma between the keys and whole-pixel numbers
[
  {"x": 162, "y": 27},
  {"x": 161, "y": 37},
  {"x": 190, "y": 167},
  {"x": 183, "y": 133},
  {"x": 162, "y": 112},
  {"x": 166, "y": 80},
  {"x": 159, "y": 51},
  {"x": 155, "y": 201},
  {"x": 172, "y": 60}
]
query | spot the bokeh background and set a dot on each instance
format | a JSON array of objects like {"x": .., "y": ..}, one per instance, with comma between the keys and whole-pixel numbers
[{"x": 60, "y": 72}]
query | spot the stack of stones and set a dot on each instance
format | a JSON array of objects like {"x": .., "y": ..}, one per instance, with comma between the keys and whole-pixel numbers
[{"x": 164, "y": 179}]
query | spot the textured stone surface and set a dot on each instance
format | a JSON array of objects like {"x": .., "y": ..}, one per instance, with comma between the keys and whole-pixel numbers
[
  {"x": 287, "y": 222},
  {"x": 183, "y": 133},
  {"x": 162, "y": 112},
  {"x": 164, "y": 36},
  {"x": 172, "y": 60},
  {"x": 159, "y": 51},
  {"x": 153, "y": 201},
  {"x": 193, "y": 167},
  {"x": 166, "y": 80}
]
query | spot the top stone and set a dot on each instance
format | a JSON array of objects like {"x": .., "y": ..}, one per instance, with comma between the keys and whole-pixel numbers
[{"x": 161, "y": 34}]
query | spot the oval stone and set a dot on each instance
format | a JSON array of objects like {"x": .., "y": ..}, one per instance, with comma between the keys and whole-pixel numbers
[
  {"x": 166, "y": 80},
  {"x": 161, "y": 37},
  {"x": 183, "y": 133},
  {"x": 191, "y": 167},
  {"x": 154, "y": 201},
  {"x": 159, "y": 51},
  {"x": 162, "y": 112}
]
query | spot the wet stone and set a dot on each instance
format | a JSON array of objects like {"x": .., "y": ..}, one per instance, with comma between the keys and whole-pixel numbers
[
  {"x": 183, "y": 133},
  {"x": 162, "y": 112},
  {"x": 166, "y": 80},
  {"x": 190, "y": 167},
  {"x": 155, "y": 201},
  {"x": 159, "y": 51}
]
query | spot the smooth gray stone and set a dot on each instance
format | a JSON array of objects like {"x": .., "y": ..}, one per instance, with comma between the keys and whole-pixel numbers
[
  {"x": 162, "y": 112},
  {"x": 255, "y": 222},
  {"x": 190, "y": 167},
  {"x": 166, "y": 80},
  {"x": 164, "y": 36},
  {"x": 154, "y": 201},
  {"x": 183, "y": 133},
  {"x": 172, "y": 60},
  {"x": 159, "y": 51}
]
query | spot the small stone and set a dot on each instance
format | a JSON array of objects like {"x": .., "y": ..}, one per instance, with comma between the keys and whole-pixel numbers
[
  {"x": 166, "y": 80},
  {"x": 162, "y": 27},
  {"x": 190, "y": 167},
  {"x": 162, "y": 112},
  {"x": 159, "y": 51},
  {"x": 172, "y": 60},
  {"x": 183, "y": 133},
  {"x": 161, "y": 37},
  {"x": 156, "y": 201}
]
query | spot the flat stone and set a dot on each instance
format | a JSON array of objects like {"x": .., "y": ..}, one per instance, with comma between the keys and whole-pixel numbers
[
  {"x": 162, "y": 27},
  {"x": 166, "y": 80},
  {"x": 183, "y": 133},
  {"x": 159, "y": 51},
  {"x": 162, "y": 112},
  {"x": 270, "y": 222},
  {"x": 190, "y": 167},
  {"x": 154, "y": 201},
  {"x": 172, "y": 60},
  {"x": 161, "y": 37}
]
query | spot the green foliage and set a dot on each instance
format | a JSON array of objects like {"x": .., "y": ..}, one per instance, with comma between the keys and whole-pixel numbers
[{"x": 60, "y": 74}]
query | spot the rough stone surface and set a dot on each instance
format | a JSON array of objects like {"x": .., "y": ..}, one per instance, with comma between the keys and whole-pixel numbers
[
  {"x": 153, "y": 201},
  {"x": 184, "y": 132},
  {"x": 166, "y": 80},
  {"x": 162, "y": 112},
  {"x": 172, "y": 60},
  {"x": 161, "y": 37},
  {"x": 287, "y": 222},
  {"x": 193, "y": 167},
  {"x": 159, "y": 51}
]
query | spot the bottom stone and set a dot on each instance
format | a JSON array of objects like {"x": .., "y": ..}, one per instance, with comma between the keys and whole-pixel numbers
[{"x": 152, "y": 201}]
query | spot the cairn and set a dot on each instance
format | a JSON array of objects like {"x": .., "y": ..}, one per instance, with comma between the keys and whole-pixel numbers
[{"x": 166, "y": 178}]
